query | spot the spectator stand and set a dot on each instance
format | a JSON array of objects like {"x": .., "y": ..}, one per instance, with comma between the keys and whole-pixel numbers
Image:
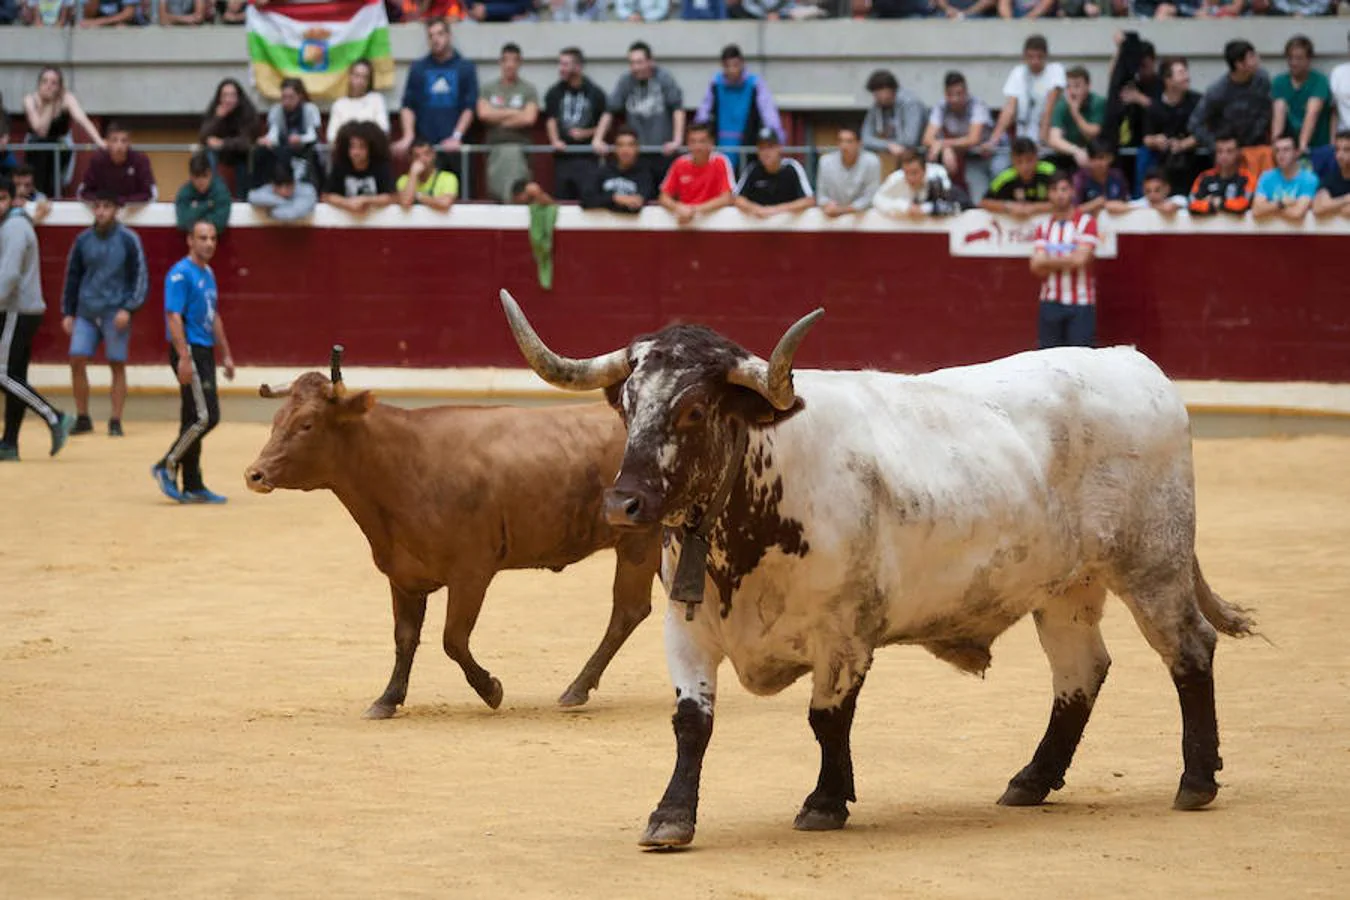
[{"x": 812, "y": 67}]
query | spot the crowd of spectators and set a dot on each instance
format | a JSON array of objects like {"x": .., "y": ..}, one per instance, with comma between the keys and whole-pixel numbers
[
  {"x": 1248, "y": 142},
  {"x": 178, "y": 13}
]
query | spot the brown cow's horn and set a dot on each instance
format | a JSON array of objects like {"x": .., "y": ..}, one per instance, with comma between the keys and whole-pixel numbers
[
  {"x": 335, "y": 364},
  {"x": 773, "y": 380},
  {"x": 270, "y": 392},
  {"x": 561, "y": 371}
]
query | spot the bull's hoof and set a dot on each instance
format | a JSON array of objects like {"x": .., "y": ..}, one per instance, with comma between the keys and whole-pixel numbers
[
  {"x": 493, "y": 697},
  {"x": 821, "y": 819},
  {"x": 668, "y": 829},
  {"x": 1195, "y": 793},
  {"x": 379, "y": 710},
  {"x": 1028, "y": 788},
  {"x": 1023, "y": 795},
  {"x": 574, "y": 696}
]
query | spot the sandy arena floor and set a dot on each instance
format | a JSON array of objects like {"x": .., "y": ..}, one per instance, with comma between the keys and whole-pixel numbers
[{"x": 181, "y": 692}]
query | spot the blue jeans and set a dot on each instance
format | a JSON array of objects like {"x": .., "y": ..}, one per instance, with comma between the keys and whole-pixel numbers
[
  {"x": 1143, "y": 161},
  {"x": 1067, "y": 326},
  {"x": 85, "y": 338},
  {"x": 242, "y": 179}
]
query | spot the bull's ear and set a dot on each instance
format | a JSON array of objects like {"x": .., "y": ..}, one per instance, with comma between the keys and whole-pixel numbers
[
  {"x": 357, "y": 404},
  {"x": 755, "y": 411},
  {"x": 614, "y": 393}
]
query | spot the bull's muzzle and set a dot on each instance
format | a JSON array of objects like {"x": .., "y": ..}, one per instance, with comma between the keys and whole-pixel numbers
[
  {"x": 631, "y": 507},
  {"x": 256, "y": 480}
]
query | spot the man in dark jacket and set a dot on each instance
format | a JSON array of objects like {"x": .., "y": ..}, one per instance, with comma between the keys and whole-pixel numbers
[
  {"x": 1239, "y": 104},
  {"x": 203, "y": 196},
  {"x": 572, "y": 111},
  {"x": 120, "y": 171},
  {"x": 106, "y": 281},
  {"x": 438, "y": 99},
  {"x": 1168, "y": 141},
  {"x": 623, "y": 184}
]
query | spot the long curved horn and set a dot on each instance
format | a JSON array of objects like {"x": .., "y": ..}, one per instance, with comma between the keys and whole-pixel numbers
[
  {"x": 773, "y": 380},
  {"x": 335, "y": 364},
  {"x": 270, "y": 392},
  {"x": 562, "y": 371}
]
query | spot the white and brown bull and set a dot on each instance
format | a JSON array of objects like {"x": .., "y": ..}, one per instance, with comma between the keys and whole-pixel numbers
[
  {"x": 449, "y": 496},
  {"x": 852, "y": 510}
]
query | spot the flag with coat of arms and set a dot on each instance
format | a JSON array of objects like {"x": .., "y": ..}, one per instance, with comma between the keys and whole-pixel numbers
[{"x": 317, "y": 41}]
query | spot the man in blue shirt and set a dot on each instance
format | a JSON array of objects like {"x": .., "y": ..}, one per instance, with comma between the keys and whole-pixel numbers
[
  {"x": 1286, "y": 191},
  {"x": 439, "y": 98},
  {"x": 194, "y": 329},
  {"x": 105, "y": 283}
]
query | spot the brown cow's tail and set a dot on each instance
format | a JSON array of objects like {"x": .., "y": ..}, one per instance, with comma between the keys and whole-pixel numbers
[{"x": 1232, "y": 620}]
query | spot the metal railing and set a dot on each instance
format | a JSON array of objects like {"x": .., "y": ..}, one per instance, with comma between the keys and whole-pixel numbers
[
  {"x": 65, "y": 152},
  {"x": 809, "y": 155}
]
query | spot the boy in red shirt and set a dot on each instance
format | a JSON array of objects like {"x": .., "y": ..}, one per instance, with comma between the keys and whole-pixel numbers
[{"x": 698, "y": 182}]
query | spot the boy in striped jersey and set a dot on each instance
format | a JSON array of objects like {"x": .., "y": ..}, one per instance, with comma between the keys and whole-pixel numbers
[
  {"x": 1065, "y": 246},
  {"x": 194, "y": 329}
]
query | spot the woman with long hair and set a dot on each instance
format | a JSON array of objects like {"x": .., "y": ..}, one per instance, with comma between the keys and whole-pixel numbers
[
  {"x": 362, "y": 104},
  {"x": 50, "y": 110},
  {"x": 359, "y": 179},
  {"x": 229, "y": 129}
]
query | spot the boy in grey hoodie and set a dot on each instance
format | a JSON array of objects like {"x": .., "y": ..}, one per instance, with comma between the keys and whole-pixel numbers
[{"x": 21, "y": 309}]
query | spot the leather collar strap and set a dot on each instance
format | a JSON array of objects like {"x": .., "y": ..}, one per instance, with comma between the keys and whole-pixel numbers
[{"x": 692, "y": 568}]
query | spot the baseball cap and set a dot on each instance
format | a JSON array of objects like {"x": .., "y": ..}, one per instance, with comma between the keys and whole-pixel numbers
[{"x": 766, "y": 136}]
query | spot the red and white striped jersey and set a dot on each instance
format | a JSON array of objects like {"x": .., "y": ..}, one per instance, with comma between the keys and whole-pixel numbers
[{"x": 1060, "y": 238}]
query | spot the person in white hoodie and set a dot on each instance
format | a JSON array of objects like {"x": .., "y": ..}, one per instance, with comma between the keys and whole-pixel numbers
[
  {"x": 21, "y": 309},
  {"x": 916, "y": 189}
]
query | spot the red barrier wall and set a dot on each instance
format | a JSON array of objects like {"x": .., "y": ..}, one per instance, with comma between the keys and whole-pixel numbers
[{"x": 1219, "y": 305}]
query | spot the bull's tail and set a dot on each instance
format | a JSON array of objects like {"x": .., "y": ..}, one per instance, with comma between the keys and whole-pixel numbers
[{"x": 1228, "y": 618}]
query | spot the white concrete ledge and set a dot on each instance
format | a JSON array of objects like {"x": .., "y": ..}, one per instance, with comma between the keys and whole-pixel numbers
[
  {"x": 489, "y": 216},
  {"x": 1296, "y": 398}
]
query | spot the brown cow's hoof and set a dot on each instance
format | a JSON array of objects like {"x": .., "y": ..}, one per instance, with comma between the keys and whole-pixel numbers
[
  {"x": 673, "y": 829},
  {"x": 380, "y": 710},
  {"x": 1195, "y": 793},
  {"x": 574, "y": 696},
  {"x": 820, "y": 819},
  {"x": 1023, "y": 795},
  {"x": 493, "y": 698}
]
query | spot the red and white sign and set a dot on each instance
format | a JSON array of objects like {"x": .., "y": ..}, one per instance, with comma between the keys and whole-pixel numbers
[{"x": 978, "y": 233}]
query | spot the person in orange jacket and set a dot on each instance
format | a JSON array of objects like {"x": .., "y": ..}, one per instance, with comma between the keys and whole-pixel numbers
[{"x": 1225, "y": 188}]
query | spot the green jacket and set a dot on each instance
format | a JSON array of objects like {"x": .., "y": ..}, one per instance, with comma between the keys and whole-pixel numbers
[{"x": 213, "y": 206}]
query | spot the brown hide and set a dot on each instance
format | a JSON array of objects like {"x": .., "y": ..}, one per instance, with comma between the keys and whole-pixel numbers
[
  {"x": 449, "y": 496},
  {"x": 451, "y": 492}
]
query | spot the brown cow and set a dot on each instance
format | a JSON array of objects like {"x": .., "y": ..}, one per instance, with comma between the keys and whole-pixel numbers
[{"x": 450, "y": 496}]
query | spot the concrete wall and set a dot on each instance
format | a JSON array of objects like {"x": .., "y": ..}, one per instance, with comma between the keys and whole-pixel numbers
[{"x": 810, "y": 66}]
